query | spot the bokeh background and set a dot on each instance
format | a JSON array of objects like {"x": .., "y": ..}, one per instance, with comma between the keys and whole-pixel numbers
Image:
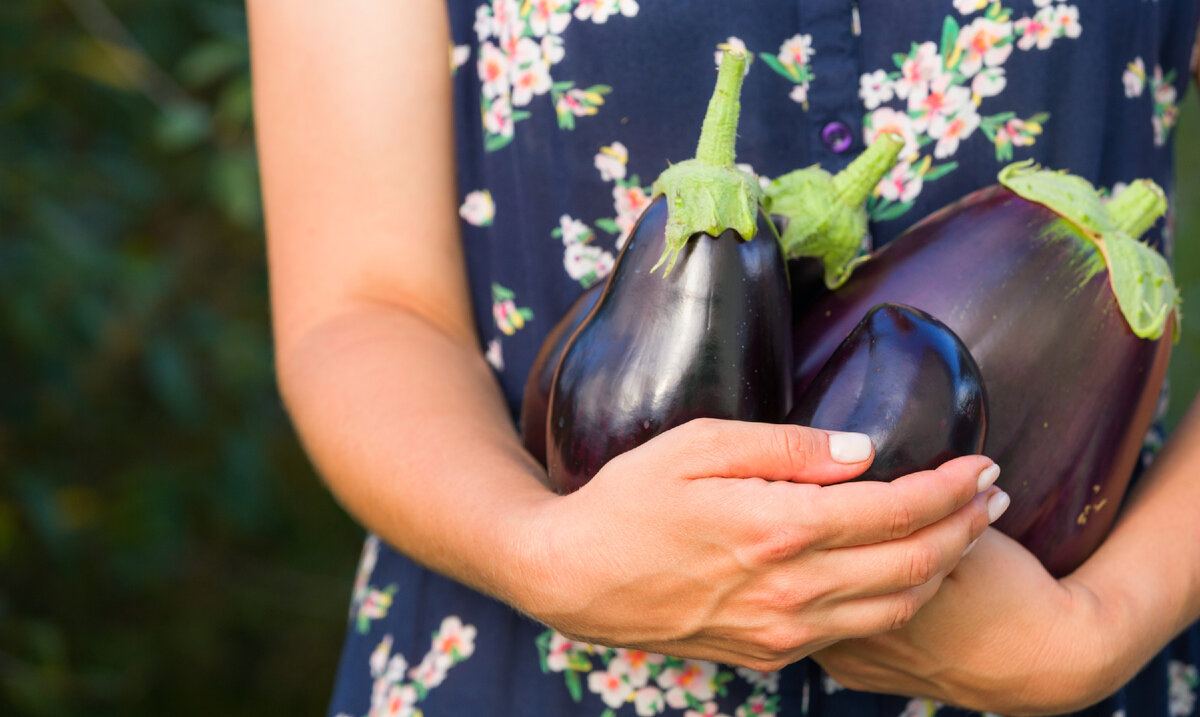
[{"x": 165, "y": 547}]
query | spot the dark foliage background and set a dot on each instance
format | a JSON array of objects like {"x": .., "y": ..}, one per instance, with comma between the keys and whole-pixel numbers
[{"x": 164, "y": 546}]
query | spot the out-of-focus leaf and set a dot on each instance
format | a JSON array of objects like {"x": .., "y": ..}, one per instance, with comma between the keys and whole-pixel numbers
[
  {"x": 234, "y": 184},
  {"x": 210, "y": 61},
  {"x": 181, "y": 126}
]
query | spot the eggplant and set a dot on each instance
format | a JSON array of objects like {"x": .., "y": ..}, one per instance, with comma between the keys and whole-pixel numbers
[
  {"x": 906, "y": 380},
  {"x": 1065, "y": 314},
  {"x": 821, "y": 220},
  {"x": 703, "y": 337}
]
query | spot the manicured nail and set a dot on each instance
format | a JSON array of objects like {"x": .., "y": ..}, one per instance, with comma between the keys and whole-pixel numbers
[
  {"x": 849, "y": 447},
  {"x": 969, "y": 547},
  {"x": 987, "y": 477},
  {"x": 997, "y": 504}
]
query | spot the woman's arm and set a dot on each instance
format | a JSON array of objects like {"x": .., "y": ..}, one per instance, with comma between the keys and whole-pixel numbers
[
  {"x": 1003, "y": 636},
  {"x": 678, "y": 546}
]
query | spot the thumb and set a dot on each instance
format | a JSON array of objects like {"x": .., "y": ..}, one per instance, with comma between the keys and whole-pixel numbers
[{"x": 708, "y": 447}]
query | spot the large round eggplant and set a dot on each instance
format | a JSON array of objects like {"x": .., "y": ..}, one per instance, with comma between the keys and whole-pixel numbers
[
  {"x": 904, "y": 379},
  {"x": 821, "y": 220},
  {"x": 1065, "y": 314},
  {"x": 689, "y": 324}
]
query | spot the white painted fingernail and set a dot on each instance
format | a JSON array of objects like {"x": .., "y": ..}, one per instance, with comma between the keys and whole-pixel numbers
[
  {"x": 997, "y": 504},
  {"x": 849, "y": 447},
  {"x": 987, "y": 477},
  {"x": 969, "y": 547}
]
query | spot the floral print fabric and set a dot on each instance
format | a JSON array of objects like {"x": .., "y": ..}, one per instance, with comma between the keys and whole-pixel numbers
[{"x": 566, "y": 110}]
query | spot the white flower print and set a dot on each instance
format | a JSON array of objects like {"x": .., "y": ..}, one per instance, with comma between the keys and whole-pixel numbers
[
  {"x": 493, "y": 70},
  {"x": 611, "y": 685},
  {"x": 484, "y": 23},
  {"x": 1038, "y": 31},
  {"x": 796, "y": 51},
  {"x": 966, "y": 7},
  {"x": 390, "y": 695},
  {"x": 611, "y": 161},
  {"x": 984, "y": 42},
  {"x": 366, "y": 565},
  {"x": 379, "y": 656},
  {"x": 888, "y": 120},
  {"x": 573, "y": 231},
  {"x": 509, "y": 317},
  {"x": 432, "y": 670},
  {"x": 635, "y": 665},
  {"x": 875, "y": 88},
  {"x": 552, "y": 49},
  {"x": 478, "y": 209},
  {"x": 1183, "y": 679},
  {"x": 710, "y": 710},
  {"x": 587, "y": 264},
  {"x": 763, "y": 181},
  {"x": 921, "y": 708},
  {"x": 769, "y": 681},
  {"x": 498, "y": 118},
  {"x": 939, "y": 97},
  {"x": 694, "y": 679},
  {"x": 648, "y": 701},
  {"x": 757, "y": 706},
  {"x": 799, "y": 94},
  {"x": 495, "y": 355},
  {"x": 530, "y": 72},
  {"x": 1134, "y": 78},
  {"x": 549, "y": 16},
  {"x": 902, "y": 183},
  {"x": 455, "y": 639},
  {"x": 629, "y": 203},
  {"x": 1066, "y": 21},
  {"x": 918, "y": 69},
  {"x": 988, "y": 83},
  {"x": 948, "y": 132},
  {"x": 459, "y": 54}
]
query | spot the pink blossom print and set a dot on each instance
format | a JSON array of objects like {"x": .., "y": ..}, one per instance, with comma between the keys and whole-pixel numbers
[{"x": 509, "y": 317}]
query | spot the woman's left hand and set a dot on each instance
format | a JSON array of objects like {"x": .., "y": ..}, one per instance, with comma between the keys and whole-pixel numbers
[{"x": 1001, "y": 635}]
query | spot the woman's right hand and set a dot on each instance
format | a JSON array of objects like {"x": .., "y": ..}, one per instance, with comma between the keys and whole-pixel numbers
[{"x": 730, "y": 541}]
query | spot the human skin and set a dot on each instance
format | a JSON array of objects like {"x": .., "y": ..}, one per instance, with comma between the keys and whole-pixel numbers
[{"x": 742, "y": 551}]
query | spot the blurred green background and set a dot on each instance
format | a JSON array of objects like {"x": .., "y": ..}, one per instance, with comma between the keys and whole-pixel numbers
[{"x": 164, "y": 546}]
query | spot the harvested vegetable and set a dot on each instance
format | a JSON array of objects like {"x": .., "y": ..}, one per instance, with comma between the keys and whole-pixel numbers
[
  {"x": 1067, "y": 316},
  {"x": 823, "y": 220},
  {"x": 688, "y": 324},
  {"x": 904, "y": 379}
]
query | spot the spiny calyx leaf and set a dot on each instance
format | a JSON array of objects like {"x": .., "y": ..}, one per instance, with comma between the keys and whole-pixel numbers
[{"x": 1139, "y": 276}]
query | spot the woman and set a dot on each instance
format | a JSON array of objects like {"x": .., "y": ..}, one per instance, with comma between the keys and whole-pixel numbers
[{"x": 404, "y": 336}]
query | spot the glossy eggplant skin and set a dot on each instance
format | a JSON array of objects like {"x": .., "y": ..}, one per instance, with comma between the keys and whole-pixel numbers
[
  {"x": 535, "y": 402},
  {"x": 1071, "y": 389},
  {"x": 904, "y": 379},
  {"x": 709, "y": 339}
]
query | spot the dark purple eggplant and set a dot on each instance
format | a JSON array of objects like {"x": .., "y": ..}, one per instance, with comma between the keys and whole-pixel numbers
[
  {"x": 822, "y": 221},
  {"x": 1065, "y": 314},
  {"x": 707, "y": 336},
  {"x": 904, "y": 379}
]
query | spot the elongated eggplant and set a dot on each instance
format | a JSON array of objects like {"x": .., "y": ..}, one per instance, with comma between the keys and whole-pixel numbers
[
  {"x": 1065, "y": 314},
  {"x": 904, "y": 379},
  {"x": 822, "y": 221},
  {"x": 689, "y": 323}
]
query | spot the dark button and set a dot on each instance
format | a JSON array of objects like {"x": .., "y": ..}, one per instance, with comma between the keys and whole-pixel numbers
[{"x": 836, "y": 136}]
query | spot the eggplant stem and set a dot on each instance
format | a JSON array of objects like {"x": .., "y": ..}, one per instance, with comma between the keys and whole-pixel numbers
[
  {"x": 718, "y": 134},
  {"x": 855, "y": 183},
  {"x": 1137, "y": 208}
]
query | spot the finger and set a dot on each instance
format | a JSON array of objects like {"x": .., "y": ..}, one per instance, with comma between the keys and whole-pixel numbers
[
  {"x": 708, "y": 447},
  {"x": 867, "y": 512},
  {"x": 926, "y": 555}
]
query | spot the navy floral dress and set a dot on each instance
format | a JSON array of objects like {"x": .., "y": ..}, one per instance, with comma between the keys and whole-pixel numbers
[{"x": 565, "y": 112}]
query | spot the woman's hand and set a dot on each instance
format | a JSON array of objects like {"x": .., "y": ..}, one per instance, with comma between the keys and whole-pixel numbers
[
  {"x": 718, "y": 540},
  {"x": 1001, "y": 635}
]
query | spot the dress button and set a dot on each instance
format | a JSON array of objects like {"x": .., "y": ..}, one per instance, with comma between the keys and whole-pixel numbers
[{"x": 836, "y": 136}]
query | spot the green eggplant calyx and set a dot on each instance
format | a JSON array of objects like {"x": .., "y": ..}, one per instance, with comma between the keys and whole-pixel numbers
[
  {"x": 709, "y": 194},
  {"x": 825, "y": 215},
  {"x": 1140, "y": 277}
]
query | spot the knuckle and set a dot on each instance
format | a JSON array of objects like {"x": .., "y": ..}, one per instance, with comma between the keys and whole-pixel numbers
[
  {"x": 796, "y": 445},
  {"x": 903, "y": 519},
  {"x": 902, "y": 609},
  {"x": 779, "y": 542},
  {"x": 923, "y": 563},
  {"x": 780, "y": 641}
]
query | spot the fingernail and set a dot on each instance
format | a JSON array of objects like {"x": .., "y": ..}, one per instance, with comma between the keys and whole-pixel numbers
[
  {"x": 849, "y": 447},
  {"x": 987, "y": 477},
  {"x": 969, "y": 547},
  {"x": 997, "y": 504}
]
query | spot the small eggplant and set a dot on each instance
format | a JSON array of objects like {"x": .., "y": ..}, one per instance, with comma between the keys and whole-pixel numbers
[
  {"x": 1068, "y": 317},
  {"x": 705, "y": 337},
  {"x": 904, "y": 379},
  {"x": 822, "y": 222}
]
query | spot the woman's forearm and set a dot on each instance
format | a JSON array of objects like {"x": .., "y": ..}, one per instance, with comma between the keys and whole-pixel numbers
[
  {"x": 1147, "y": 572},
  {"x": 409, "y": 429}
]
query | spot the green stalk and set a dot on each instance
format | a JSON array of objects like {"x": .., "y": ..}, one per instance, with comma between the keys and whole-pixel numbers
[
  {"x": 856, "y": 182},
  {"x": 718, "y": 134},
  {"x": 1137, "y": 208}
]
